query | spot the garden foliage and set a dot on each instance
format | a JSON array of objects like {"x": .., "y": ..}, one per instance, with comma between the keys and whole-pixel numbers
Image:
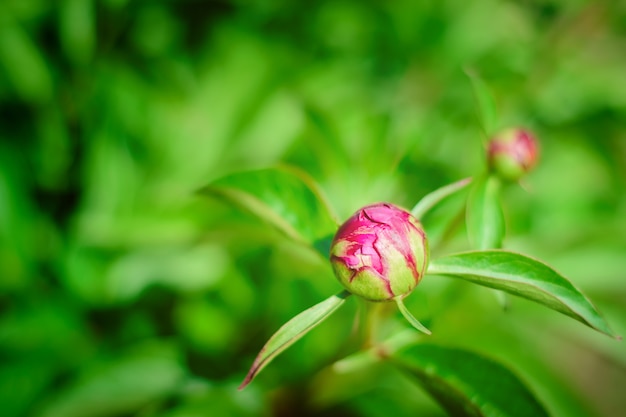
[{"x": 172, "y": 174}]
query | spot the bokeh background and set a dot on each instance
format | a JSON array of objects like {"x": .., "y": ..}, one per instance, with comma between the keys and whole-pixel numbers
[{"x": 124, "y": 293}]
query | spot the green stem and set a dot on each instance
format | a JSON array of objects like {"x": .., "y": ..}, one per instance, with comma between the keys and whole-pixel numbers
[
  {"x": 372, "y": 322},
  {"x": 432, "y": 199}
]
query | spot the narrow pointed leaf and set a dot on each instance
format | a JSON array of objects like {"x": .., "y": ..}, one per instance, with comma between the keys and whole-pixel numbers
[
  {"x": 284, "y": 197},
  {"x": 430, "y": 200},
  {"x": 466, "y": 384},
  {"x": 487, "y": 109},
  {"x": 292, "y": 331},
  {"x": 522, "y": 276},
  {"x": 485, "y": 220},
  {"x": 410, "y": 318}
]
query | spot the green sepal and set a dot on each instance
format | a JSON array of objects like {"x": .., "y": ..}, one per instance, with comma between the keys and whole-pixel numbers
[{"x": 409, "y": 317}]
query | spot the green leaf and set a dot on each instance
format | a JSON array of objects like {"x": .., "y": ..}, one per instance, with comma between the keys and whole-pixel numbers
[
  {"x": 123, "y": 385},
  {"x": 19, "y": 51},
  {"x": 430, "y": 200},
  {"x": 467, "y": 384},
  {"x": 77, "y": 31},
  {"x": 23, "y": 381},
  {"x": 522, "y": 276},
  {"x": 487, "y": 109},
  {"x": 485, "y": 219},
  {"x": 292, "y": 331},
  {"x": 284, "y": 197}
]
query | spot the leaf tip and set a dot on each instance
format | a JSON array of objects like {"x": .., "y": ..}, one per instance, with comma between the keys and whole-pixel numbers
[
  {"x": 249, "y": 377},
  {"x": 410, "y": 318},
  {"x": 426, "y": 331}
]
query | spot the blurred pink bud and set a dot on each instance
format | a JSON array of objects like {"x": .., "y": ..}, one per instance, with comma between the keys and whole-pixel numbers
[{"x": 512, "y": 153}]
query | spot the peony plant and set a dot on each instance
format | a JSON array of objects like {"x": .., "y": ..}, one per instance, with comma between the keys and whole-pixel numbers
[{"x": 381, "y": 253}]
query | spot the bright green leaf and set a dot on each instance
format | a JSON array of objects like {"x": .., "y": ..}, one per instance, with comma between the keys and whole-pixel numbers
[
  {"x": 292, "y": 331},
  {"x": 284, "y": 197},
  {"x": 430, "y": 200},
  {"x": 467, "y": 384},
  {"x": 485, "y": 220},
  {"x": 522, "y": 276}
]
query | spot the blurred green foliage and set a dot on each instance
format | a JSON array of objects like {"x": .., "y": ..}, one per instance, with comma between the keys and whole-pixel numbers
[{"x": 125, "y": 293}]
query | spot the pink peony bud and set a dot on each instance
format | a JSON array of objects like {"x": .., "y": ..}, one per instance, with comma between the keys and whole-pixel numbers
[
  {"x": 512, "y": 153},
  {"x": 380, "y": 253}
]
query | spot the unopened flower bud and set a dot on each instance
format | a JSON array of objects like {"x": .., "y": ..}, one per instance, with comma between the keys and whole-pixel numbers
[
  {"x": 512, "y": 153},
  {"x": 380, "y": 253}
]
